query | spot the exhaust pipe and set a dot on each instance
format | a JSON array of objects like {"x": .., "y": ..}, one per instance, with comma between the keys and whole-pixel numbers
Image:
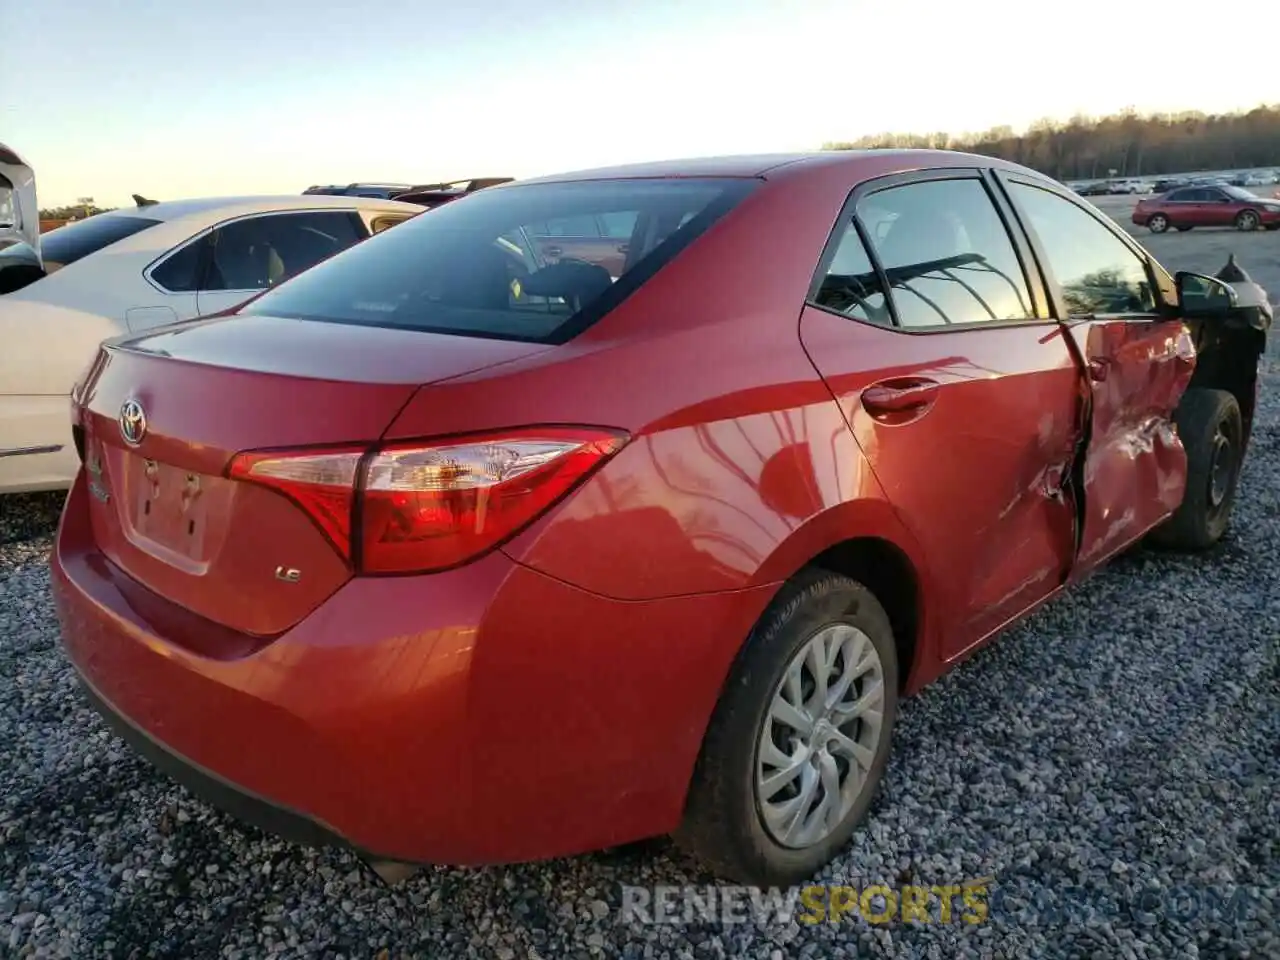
[{"x": 392, "y": 872}]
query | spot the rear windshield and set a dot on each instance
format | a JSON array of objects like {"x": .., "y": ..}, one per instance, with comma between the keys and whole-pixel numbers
[
  {"x": 502, "y": 263},
  {"x": 67, "y": 244}
]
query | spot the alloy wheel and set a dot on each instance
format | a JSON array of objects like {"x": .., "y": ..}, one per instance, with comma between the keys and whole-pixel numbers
[{"x": 818, "y": 742}]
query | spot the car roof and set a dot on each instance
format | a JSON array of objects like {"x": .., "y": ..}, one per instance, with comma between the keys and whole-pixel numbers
[
  {"x": 237, "y": 206},
  {"x": 771, "y": 165}
]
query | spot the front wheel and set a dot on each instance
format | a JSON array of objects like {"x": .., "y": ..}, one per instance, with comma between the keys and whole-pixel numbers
[
  {"x": 1247, "y": 221},
  {"x": 1212, "y": 432},
  {"x": 799, "y": 740},
  {"x": 1158, "y": 223}
]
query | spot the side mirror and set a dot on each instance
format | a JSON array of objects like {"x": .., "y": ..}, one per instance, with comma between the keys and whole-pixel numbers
[
  {"x": 1201, "y": 297},
  {"x": 20, "y": 266}
]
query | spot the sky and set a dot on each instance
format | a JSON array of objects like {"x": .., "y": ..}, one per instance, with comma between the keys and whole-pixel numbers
[{"x": 106, "y": 98}]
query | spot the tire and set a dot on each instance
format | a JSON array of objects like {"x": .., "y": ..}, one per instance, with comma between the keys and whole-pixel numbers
[
  {"x": 1273, "y": 226},
  {"x": 1211, "y": 428},
  {"x": 724, "y": 826},
  {"x": 1247, "y": 221},
  {"x": 1158, "y": 223}
]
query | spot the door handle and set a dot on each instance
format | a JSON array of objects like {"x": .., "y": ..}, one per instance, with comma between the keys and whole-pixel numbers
[
  {"x": 1098, "y": 369},
  {"x": 554, "y": 251},
  {"x": 883, "y": 399}
]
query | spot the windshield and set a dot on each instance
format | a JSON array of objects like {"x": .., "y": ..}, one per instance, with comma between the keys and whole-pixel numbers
[
  {"x": 67, "y": 244},
  {"x": 1239, "y": 193},
  {"x": 537, "y": 262}
]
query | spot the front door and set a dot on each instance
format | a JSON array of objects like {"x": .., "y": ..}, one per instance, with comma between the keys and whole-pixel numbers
[
  {"x": 961, "y": 391},
  {"x": 1136, "y": 363}
]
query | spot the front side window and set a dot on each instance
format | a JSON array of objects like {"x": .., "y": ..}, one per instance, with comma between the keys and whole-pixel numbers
[
  {"x": 259, "y": 252},
  {"x": 468, "y": 268},
  {"x": 946, "y": 254},
  {"x": 1098, "y": 272},
  {"x": 74, "y": 241},
  {"x": 1240, "y": 193}
]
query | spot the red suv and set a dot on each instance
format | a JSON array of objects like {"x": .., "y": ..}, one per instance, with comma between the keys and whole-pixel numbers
[
  {"x": 1210, "y": 206},
  {"x": 456, "y": 555}
]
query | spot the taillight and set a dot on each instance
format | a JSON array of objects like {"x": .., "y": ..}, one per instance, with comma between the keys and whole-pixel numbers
[
  {"x": 421, "y": 507},
  {"x": 321, "y": 482}
]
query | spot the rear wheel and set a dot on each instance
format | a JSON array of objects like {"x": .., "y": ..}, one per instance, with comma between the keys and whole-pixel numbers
[
  {"x": 1212, "y": 431},
  {"x": 799, "y": 740},
  {"x": 1247, "y": 221},
  {"x": 1158, "y": 223}
]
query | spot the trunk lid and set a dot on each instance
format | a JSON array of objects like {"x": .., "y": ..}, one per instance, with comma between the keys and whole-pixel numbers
[{"x": 163, "y": 509}]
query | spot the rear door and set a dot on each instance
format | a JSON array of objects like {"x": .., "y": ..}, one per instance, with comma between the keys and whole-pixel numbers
[
  {"x": 961, "y": 390},
  {"x": 1185, "y": 207},
  {"x": 252, "y": 254},
  {"x": 1137, "y": 362}
]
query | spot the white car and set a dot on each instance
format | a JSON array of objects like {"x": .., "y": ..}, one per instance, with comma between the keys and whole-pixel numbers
[{"x": 132, "y": 269}]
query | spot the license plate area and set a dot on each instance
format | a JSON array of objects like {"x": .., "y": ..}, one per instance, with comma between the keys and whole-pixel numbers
[{"x": 168, "y": 505}]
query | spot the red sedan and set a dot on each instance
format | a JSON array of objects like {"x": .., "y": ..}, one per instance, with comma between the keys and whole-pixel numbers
[
  {"x": 456, "y": 556},
  {"x": 1208, "y": 206}
]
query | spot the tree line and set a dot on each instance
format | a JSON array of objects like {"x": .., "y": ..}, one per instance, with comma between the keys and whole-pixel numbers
[
  {"x": 84, "y": 207},
  {"x": 1126, "y": 144}
]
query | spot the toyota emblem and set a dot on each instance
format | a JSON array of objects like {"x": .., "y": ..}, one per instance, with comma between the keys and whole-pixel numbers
[{"x": 133, "y": 422}]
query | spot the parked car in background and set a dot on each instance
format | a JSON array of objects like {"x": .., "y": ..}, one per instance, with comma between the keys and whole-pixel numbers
[
  {"x": 132, "y": 269},
  {"x": 1209, "y": 206},
  {"x": 461, "y": 558},
  {"x": 431, "y": 195},
  {"x": 1133, "y": 185},
  {"x": 1165, "y": 184},
  {"x": 1100, "y": 189},
  {"x": 373, "y": 191},
  {"x": 19, "y": 215}
]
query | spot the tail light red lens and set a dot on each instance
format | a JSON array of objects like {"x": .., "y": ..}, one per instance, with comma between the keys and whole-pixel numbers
[{"x": 421, "y": 507}]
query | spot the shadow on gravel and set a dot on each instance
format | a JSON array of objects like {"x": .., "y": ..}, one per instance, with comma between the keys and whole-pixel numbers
[{"x": 25, "y": 516}]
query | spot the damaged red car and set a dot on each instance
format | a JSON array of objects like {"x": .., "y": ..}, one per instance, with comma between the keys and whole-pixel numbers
[{"x": 450, "y": 554}]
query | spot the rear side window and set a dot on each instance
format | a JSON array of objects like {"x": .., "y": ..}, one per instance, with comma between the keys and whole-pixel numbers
[
  {"x": 181, "y": 272},
  {"x": 946, "y": 253},
  {"x": 77, "y": 240},
  {"x": 472, "y": 268},
  {"x": 850, "y": 285},
  {"x": 258, "y": 252}
]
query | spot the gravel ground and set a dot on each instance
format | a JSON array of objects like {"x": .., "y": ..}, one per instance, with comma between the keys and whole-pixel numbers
[{"x": 1113, "y": 765}]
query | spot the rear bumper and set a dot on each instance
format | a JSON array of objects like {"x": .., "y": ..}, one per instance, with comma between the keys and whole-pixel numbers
[
  {"x": 486, "y": 715},
  {"x": 244, "y": 806}
]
